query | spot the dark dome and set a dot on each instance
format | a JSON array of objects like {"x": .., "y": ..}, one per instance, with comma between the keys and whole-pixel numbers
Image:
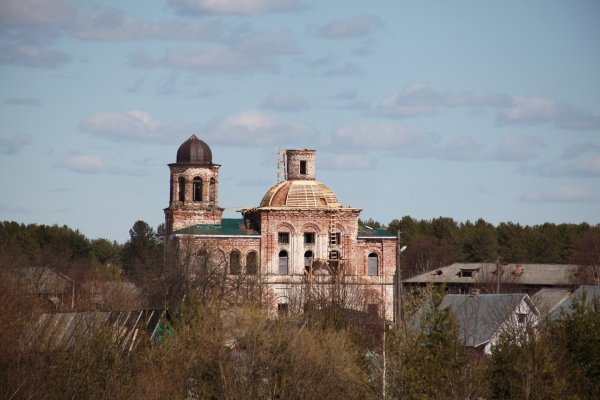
[{"x": 194, "y": 151}]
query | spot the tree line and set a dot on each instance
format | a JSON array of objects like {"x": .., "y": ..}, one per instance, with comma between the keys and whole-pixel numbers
[{"x": 441, "y": 241}]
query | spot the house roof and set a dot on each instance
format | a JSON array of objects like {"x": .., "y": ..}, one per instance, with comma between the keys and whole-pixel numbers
[
  {"x": 590, "y": 292},
  {"x": 68, "y": 330},
  {"x": 478, "y": 317},
  {"x": 367, "y": 232},
  {"x": 227, "y": 227},
  {"x": 547, "y": 299},
  {"x": 524, "y": 274},
  {"x": 42, "y": 280}
]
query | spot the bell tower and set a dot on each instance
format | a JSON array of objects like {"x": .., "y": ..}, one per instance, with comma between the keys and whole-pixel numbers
[{"x": 194, "y": 192}]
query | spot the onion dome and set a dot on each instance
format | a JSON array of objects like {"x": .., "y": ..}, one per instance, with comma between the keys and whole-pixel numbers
[
  {"x": 300, "y": 194},
  {"x": 194, "y": 151}
]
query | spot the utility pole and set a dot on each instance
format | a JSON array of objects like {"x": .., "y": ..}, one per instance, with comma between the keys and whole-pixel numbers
[{"x": 398, "y": 306}]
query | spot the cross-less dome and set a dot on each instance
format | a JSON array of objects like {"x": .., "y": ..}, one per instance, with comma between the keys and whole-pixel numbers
[
  {"x": 300, "y": 194},
  {"x": 194, "y": 151}
]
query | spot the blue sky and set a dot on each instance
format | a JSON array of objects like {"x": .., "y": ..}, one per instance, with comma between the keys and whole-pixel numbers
[{"x": 464, "y": 109}]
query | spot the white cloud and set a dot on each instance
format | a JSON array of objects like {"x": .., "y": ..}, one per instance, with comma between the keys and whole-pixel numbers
[
  {"x": 84, "y": 163},
  {"x": 563, "y": 194},
  {"x": 291, "y": 103},
  {"x": 460, "y": 149},
  {"x": 528, "y": 111},
  {"x": 32, "y": 56},
  {"x": 348, "y": 69},
  {"x": 242, "y": 53},
  {"x": 110, "y": 24},
  {"x": 395, "y": 138},
  {"x": 256, "y": 128},
  {"x": 13, "y": 145},
  {"x": 413, "y": 100},
  {"x": 235, "y": 7},
  {"x": 590, "y": 166},
  {"x": 518, "y": 148},
  {"x": 354, "y": 27},
  {"x": 23, "y": 101},
  {"x": 132, "y": 126},
  {"x": 345, "y": 162}
]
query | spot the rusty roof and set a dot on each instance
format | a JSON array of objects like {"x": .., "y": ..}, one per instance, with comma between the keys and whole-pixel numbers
[{"x": 305, "y": 193}]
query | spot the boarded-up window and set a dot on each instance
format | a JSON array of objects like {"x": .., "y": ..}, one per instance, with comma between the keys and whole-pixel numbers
[
  {"x": 283, "y": 262},
  {"x": 373, "y": 264}
]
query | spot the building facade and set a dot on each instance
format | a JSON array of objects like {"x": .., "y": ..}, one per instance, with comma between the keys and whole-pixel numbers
[{"x": 299, "y": 244}]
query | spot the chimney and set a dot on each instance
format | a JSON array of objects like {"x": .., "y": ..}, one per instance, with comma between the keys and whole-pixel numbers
[{"x": 518, "y": 270}]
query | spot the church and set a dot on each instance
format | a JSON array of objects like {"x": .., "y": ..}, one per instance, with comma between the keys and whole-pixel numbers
[{"x": 300, "y": 244}]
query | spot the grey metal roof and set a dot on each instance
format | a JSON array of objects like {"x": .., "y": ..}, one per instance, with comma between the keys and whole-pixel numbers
[
  {"x": 478, "y": 317},
  {"x": 547, "y": 299},
  {"x": 566, "y": 306},
  {"x": 66, "y": 331},
  {"x": 524, "y": 274},
  {"x": 42, "y": 280}
]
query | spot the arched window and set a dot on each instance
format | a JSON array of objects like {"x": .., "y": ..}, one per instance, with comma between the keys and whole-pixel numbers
[
  {"x": 211, "y": 190},
  {"x": 373, "y": 264},
  {"x": 308, "y": 259},
  {"x": 197, "y": 189},
  {"x": 234, "y": 262},
  {"x": 181, "y": 188},
  {"x": 252, "y": 263},
  {"x": 203, "y": 258},
  {"x": 283, "y": 262}
]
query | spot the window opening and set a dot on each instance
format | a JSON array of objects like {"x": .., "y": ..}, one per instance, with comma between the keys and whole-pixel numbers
[
  {"x": 373, "y": 264},
  {"x": 467, "y": 273},
  {"x": 234, "y": 262},
  {"x": 335, "y": 238},
  {"x": 308, "y": 260},
  {"x": 181, "y": 188},
  {"x": 309, "y": 238},
  {"x": 283, "y": 309},
  {"x": 283, "y": 262},
  {"x": 283, "y": 237},
  {"x": 252, "y": 263},
  {"x": 197, "y": 189},
  {"x": 303, "y": 167}
]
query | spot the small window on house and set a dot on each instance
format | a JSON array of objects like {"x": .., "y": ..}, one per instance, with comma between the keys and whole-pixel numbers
[
  {"x": 335, "y": 238},
  {"x": 283, "y": 237},
  {"x": 234, "y": 262},
  {"x": 197, "y": 189},
  {"x": 303, "y": 167},
  {"x": 283, "y": 262},
  {"x": 373, "y": 264},
  {"x": 467, "y": 273},
  {"x": 521, "y": 318},
  {"x": 252, "y": 263},
  {"x": 308, "y": 261},
  {"x": 309, "y": 238},
  {"x": 181, "y": 188},
  {"x": 334, "y": 255}
]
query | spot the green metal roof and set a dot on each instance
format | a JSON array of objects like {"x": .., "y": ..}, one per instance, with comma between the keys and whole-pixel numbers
[
  {"x": 364, "y": 231},
  {"x": 228, "y": 227}
]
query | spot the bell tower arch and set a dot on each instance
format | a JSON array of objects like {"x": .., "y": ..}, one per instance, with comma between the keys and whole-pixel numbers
[{"x": 194, "y": 197}]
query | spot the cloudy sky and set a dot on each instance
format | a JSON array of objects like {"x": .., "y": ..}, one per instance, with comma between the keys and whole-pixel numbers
[{"x": 463, "y": 109}]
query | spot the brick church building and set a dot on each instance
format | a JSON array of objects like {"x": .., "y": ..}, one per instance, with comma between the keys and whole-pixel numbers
[{"x": 300, "y": 244}]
